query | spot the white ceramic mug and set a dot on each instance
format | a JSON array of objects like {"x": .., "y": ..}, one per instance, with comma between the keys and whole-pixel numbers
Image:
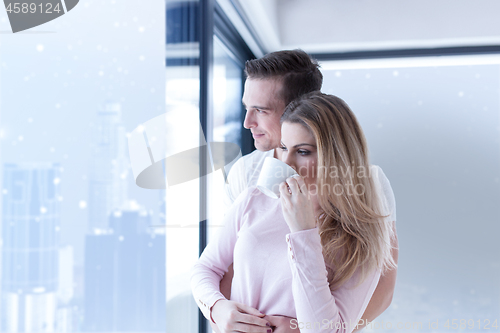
[{"x": 273, "y": 173}]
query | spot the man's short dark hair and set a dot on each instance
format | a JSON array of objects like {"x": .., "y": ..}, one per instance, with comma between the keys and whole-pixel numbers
[{"x": 297, "y": 71}]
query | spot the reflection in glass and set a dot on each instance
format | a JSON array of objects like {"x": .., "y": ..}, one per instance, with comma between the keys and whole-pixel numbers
[
  {"x": 182, "y": 201},
  {"x": 226, "y": 120}
]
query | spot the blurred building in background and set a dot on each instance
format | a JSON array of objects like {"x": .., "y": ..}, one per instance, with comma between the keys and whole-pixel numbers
[
  {"x": 30, "y": 250},
  {"x": 109, "y": 165},
  {"x": 125, "y": 274}
]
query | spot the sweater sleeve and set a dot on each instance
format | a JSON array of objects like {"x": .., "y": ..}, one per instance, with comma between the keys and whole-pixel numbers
[
  {"x": 318, "y": 309},
  {"x": 213, "y": 263}
]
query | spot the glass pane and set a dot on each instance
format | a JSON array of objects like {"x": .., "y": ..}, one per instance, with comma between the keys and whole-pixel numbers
[
  {"x": 181, "y": 132},
  {"x": 433, "y": 126},
  {"x": 226, "y": 122},
  {"x": 228, "y": 90},
  {"x": 182, "y": 201},
  {"x": 79, "y": 252}
]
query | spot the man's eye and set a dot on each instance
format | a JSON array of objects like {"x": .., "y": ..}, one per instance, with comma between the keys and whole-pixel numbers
[{"x": 260, "y": 111}]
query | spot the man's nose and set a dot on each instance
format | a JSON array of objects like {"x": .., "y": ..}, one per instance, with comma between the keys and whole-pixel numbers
[{"x": 249, "y": 121}]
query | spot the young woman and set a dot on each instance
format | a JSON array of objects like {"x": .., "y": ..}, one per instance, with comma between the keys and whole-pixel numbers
[{"x": 317, "y": 253}]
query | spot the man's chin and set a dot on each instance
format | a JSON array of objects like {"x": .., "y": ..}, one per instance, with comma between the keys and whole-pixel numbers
[
  {"x": 259, "y": 145},
  {"x": 264, "y": 144},
  {"x": 262, "y": 147}
]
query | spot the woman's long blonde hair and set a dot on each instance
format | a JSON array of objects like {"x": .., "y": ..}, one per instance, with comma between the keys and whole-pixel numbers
[{"x": 354, "y": 233}]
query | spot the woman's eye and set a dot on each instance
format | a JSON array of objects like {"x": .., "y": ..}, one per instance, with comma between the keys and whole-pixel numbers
[
  {"x": 283, "y": 148},
  {"x": 303, "y": 152}
]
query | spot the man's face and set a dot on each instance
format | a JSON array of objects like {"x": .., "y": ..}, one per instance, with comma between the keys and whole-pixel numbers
[{"x": 264, "y": 110}]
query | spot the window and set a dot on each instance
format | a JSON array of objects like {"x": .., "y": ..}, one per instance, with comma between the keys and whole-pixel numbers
[
  {"x": 74, "y": 223},
  {"x": 204, "y": 82}
]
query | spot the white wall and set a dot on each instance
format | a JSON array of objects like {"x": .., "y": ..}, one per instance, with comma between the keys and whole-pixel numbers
[{"x": 340, "y": 25}]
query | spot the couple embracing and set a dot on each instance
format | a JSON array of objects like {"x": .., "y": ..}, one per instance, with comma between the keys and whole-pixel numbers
[{"x": 314, "y": 260}]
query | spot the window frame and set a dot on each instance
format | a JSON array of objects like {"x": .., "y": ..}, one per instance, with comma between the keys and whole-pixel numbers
[{"x": 209, "y": 20}]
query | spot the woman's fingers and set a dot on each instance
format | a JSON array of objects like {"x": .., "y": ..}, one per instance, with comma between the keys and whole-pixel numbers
[
  {"x": 250, "y": 319},
  {"x": 294, "y": 186},
  {"x": 282, "y": 324},
  {"x": 284, "y": 190},
  {"x": 297, "y": 185},
  {"x": 248, "y": 309},
  {"x": 301, "y": 183},
  {"x": 251, "y": 323},
  {"x": 296, "y": 206},
  {"x": 231, "y": 316}
]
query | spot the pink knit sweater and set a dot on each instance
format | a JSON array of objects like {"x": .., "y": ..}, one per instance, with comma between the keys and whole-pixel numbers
[{"x": 276, "y": 271}]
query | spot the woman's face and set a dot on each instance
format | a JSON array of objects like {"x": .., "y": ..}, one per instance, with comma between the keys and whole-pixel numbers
[{"x": 300, "y": 152}]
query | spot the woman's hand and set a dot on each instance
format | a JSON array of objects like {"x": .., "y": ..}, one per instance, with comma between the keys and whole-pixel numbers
[
  {"x": 282, "y": 324},
  {"x": 231, "y": 316},
  {"x": 296, "y": 204}
]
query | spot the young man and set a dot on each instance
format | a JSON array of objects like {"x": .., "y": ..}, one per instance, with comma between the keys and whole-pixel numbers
[{"x": 272, "y": 82}]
